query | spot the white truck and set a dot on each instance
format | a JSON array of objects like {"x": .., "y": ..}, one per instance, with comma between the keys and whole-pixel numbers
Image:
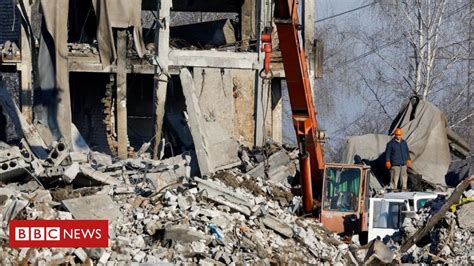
[{"x": 386, "y": 214}]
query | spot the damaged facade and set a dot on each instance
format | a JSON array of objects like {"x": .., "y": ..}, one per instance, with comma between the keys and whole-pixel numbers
[{"x": 113, "y": 70}]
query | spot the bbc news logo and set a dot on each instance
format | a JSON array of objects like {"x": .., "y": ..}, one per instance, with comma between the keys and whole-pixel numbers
[{"x": 59, "y": 233}]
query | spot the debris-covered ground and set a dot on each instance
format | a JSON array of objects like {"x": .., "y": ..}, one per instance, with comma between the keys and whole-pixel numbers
[
  {"x": 158, "y": 212},
  {"x": 241, "y": 210},
  {"x": 450, "y": 241}
]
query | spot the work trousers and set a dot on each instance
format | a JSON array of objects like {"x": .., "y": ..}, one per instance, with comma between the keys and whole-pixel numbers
[{"x": 397, "y": 173}]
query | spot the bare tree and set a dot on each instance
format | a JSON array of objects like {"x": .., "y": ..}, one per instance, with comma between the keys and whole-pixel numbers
[{"x": 394, "y": 50}]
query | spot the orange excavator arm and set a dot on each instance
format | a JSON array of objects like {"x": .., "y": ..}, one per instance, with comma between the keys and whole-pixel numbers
[{"x": 301, "y": 99}]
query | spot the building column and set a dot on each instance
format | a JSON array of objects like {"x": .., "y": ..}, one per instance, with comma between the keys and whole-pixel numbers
[
  {"x": 247, "y": 23},
  {"x": 260, "y": 90},
  {"x": 161, "y": 77},
  {"x": 121, "y": 103},
  {"x": 26, "y": 78}
]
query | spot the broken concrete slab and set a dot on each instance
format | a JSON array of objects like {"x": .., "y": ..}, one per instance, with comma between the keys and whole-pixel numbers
[
  {"x": 37, "y": 167},
  {"x": 465, "y": 216},
  {"x": 104, "y": 258},
  {"x": 81, "y": 254},
  {"x": 6, "y": 193},
  {"x": 378, "y": 253},
  {"x": 279, "y": 174},
  {"x": 98, "y": 207},
  {"x": 71, "y": 172},
  {"x": 175, "y": 165},
  {"x": 162, "y": 179},
  {"x": 169, "y": 171},
  {"x": 194, "y": 121},
  {"x": 217, "y": 87},
  {"x": 78, "y": 157},
  {"x": 222, "y": 147},
  {"x": 215, "y": 148},
  {"x": 58, "y": 153},
  {"x": 139, "y": 256},
  {"x": 184, "y": 234},
  {"x": 277, "y": 225},
  {"x": 101, "y": 158},
  {"x": 210, "y": 262},
  {"x": 278, "y": 159},
  {"x": 10, "y": 153},
  {"x": 53, "y": 172},
  {"x": 216, "y": 192},
  {"x": 11, "y": 169},
  {"x": 97, "y": 176},
  {"x": 13, "y": 208}
]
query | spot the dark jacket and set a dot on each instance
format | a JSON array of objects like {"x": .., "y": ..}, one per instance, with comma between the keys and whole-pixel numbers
[{"x": 397, "y": 152}]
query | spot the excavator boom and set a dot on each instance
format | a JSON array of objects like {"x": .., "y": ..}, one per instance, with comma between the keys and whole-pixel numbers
[
  {"x": 340, "y": 188},
  {"x": 301, "y": 100}
]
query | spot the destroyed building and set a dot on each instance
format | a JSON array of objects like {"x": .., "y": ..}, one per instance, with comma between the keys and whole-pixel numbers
[
  {"x": 113, "y": 70},
  {"x": 142, "y": 113}
]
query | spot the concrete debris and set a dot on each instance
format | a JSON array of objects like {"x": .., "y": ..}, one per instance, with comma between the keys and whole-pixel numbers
[
  {"x": 450, "y": 241},
  {"x": 183, "y": 234},
  {"x": 104, "y": 258},
  {"x": 97, "y": 176},
  {"x": 11, "y": 169},
  {"x": 159, "y": 213},
  {"x": 71, "y": 172},
  {"x": 95, "y": 207},
  {"x": 58, "y": 153},
  {"x": 378, "y": 253},
  {"x": 215, "y": 148},
  {"x": 80, "y": 254},
  {"x": 276, "y": 225},
  {"x": 465, "y": 215}
]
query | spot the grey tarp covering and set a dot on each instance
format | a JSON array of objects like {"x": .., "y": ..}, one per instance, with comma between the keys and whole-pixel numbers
[
  {"x": 425, "y": 130},
  {"x": 117, "y": 14},
  {"x": 367, "y": 147}
]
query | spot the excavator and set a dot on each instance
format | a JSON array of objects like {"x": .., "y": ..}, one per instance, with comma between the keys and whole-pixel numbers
[{"x": 335, "y": 193}]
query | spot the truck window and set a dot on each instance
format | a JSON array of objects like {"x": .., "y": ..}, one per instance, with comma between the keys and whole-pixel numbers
[
  {"x": 388, "y": 214},
  {"x": 421, "y": 203},
  {"x": 342, "y": 189}
]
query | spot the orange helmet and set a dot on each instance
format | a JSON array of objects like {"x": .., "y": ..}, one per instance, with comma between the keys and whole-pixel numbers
[{"x": 398, "y": 132}]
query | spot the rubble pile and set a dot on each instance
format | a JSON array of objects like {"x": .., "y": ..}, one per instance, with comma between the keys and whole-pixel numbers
[
  {"x": 450, "y": 241},
  {"x": 158, "y": 212}
]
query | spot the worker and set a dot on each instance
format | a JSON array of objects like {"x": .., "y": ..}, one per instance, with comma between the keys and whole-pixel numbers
[{"x": 397, "y": 159}]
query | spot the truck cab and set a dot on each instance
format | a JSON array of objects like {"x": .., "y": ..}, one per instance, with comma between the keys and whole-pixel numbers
[
  {"x": 345, "y": 198},
  {"x": 386, "y": 214}
]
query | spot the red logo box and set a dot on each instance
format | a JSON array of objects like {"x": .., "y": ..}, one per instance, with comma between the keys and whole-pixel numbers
[{"x": 59, "y": 233}]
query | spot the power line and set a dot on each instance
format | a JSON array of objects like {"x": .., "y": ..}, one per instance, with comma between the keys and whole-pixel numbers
[
  {"x": 376, "y": 49},
  {"x": 345, "y": 12},
  {"x": 456, "y": 10}
]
